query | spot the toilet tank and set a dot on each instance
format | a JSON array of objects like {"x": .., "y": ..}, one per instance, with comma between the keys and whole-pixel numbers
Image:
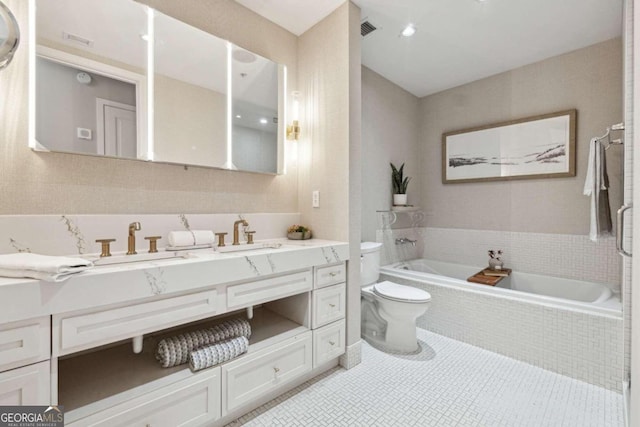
[{"x": 369, "y": 262}]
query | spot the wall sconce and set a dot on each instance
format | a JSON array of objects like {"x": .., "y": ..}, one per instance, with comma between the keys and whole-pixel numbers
[{"x": 293, "y": 130}]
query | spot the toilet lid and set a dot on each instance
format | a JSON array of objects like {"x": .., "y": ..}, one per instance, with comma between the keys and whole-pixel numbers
[{"x": 402, "y": 293}]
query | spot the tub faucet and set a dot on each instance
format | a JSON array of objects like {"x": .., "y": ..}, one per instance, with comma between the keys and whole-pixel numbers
[
  {"x": 235, "y": 230},
  {"x": 133, "y": 227},
  {"x": 404, "y": 240}
]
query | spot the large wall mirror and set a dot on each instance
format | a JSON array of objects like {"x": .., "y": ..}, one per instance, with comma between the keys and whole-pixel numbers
[{"x": 116, "y": 78}]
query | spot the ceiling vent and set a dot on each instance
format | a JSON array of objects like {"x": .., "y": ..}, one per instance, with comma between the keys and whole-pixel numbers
[{"x": 366, "y": 28}]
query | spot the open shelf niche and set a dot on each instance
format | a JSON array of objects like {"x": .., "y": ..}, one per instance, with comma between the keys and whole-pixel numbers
[{"x": 91, "y": 381}]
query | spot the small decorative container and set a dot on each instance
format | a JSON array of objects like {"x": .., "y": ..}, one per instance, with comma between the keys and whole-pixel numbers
[
  {"x": 298, "y": 232},
  {"x": 299, "y": 235},
  {"x": 399, "y": 200}
]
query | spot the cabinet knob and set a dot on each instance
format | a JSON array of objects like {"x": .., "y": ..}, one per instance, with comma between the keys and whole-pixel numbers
[
  {"x": 276, "y": 370},
  {"x": 332, "y": 343},
  {"x": 333, "y": 274},
  {"x": 332, "y": 305}
]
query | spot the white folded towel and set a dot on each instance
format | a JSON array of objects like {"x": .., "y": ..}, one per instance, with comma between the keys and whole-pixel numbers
[
  {"x": 191, "y": 238},
  {"x": 596, "y": 185},
  {"x": 42, "y": 267}
]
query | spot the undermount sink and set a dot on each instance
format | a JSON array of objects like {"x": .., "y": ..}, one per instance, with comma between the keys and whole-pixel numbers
[
  {"x": 123, "y": 258},
  {"x": 245, "y": 247}
]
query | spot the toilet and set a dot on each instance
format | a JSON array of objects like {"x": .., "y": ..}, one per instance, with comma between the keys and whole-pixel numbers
[{"x": 389, "y": 310}]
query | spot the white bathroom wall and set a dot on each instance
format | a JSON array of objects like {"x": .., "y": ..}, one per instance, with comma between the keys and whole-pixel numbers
[
  {"x": 390, "y": 133},
  {"x": 589, "y": 80}
]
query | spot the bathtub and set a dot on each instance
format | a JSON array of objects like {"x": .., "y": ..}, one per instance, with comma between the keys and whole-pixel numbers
[
  {"x": 570, "y": 293},
  {"x": 571, "y": 327}
]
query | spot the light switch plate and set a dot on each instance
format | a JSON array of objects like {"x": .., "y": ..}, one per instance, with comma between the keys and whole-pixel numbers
[{"x": 315, "y": 198}]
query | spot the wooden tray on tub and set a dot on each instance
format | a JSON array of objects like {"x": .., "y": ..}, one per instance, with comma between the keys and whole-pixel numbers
[{"x": 489, "y": 277}]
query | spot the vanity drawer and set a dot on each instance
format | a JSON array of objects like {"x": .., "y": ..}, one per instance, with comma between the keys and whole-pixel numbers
[
  {"x": 330, "y": 275},
  {"x": 259, "y": 291},
  {"x": 191, "y": 402},
  {"x": 29, "y": 385},
  {"x": 328, "y": 342},
  {"x": 257, "y": 374},
  {"x": 77, "y": 332},
  {"x": 25, "y": 342},
  {"x": 328, "y": 305}
]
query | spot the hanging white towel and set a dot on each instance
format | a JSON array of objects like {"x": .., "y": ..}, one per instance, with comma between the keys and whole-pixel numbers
[
  {"x": 596, "y": 185},
  {"x": 41, "y": 267}
]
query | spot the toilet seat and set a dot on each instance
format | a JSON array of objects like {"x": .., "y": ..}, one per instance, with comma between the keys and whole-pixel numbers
[{"x": 401, "y": 293}]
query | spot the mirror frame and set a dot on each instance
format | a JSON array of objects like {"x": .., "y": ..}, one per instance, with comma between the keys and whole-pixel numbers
[{"x": 10, "y": 46}]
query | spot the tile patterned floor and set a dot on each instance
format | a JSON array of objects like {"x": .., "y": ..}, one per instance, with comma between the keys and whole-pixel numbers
[{"x": 447, "y": 384}]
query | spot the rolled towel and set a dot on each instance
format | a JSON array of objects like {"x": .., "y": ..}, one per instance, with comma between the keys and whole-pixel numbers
[
  {"x": 42, "y": 267},
  {"x": 174, "y": 351},
  {"x": 191, "y": 238},
  {"x": 213, "y": 354}
]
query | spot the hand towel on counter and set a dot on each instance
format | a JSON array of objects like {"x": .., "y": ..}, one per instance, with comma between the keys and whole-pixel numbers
[
  {"x": 213, "y": 354},
  {"x": 175, "y": 350},
  {"x": 191, "y": 238},
  {"x": 596, "y": 185},
  {"x": 41, "y": 267}
]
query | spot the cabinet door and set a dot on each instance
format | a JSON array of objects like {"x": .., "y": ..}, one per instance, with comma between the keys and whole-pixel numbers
[
  {"x": 264, "y": 371},
  {"x": 25, "y": 342},
  {"x": 76, "y": 332},
  {"x": 330, "y": 275},
  {"x": 328, "y": 342},
  {"x": 328, "y": 305},
  {"x": 29, "y": 385},
  {"x": 259, "y": 291},
  {"x": 191, "y": 402}
]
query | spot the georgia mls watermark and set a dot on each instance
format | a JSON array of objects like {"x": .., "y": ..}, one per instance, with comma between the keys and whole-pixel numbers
[{"x": 31, "y": 416}]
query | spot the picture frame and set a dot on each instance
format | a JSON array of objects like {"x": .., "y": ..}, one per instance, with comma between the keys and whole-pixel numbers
[{"x": 536, "y": 147}]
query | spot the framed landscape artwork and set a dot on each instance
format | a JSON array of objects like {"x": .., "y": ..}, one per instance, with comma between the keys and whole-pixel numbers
[{"x": 535, "y": 147}]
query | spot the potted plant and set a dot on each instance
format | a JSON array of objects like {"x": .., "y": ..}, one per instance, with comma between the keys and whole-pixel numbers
[
  {"x": 298, "y": 232},
  {"x": 400, "y": 183}
]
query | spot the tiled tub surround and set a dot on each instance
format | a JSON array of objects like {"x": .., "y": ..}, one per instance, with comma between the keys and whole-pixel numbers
[
  {"x": 560, "y": 255},
  {"x": 76, "y": 234},
  {"x": 582, "y": 345},
  {"x": 69, "y": 328}
]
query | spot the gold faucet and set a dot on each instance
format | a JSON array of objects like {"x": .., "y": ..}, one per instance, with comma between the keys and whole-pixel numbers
[
  {"x": 133, "y": 227},
  {"x": 235, "y": 230}
]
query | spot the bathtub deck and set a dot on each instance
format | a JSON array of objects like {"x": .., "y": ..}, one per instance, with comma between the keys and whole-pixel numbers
[{"x": 448, "y": 384}]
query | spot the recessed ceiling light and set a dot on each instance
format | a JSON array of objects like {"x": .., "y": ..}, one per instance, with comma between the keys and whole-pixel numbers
[
  {"x": 144, "y": 37},
  {"x": 238, "y": 116},
  {"x": 409, "y": 30},
  {"x": 264, "y": 121}
]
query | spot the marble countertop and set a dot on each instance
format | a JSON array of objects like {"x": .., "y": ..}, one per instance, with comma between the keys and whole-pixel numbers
[{"x": 105, "y": 285}]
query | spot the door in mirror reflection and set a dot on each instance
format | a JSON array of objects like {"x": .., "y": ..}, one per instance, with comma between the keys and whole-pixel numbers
[
  {"x": 90, "y": 77},
  {"x": 255, "y": 112}
]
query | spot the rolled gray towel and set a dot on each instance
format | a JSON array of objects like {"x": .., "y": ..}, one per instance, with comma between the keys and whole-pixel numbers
[
  {"x": 174, "y": 351},
  {"x": 213, "y": 354}
]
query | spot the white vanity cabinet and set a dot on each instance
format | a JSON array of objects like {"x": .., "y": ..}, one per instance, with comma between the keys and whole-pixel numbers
[
  {"x": 81, "y": 354},
  {"x": 329, "y": 313}
]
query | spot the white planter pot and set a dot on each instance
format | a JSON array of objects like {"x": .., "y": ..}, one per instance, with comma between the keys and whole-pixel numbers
[{"x": 399, "y": 199}]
